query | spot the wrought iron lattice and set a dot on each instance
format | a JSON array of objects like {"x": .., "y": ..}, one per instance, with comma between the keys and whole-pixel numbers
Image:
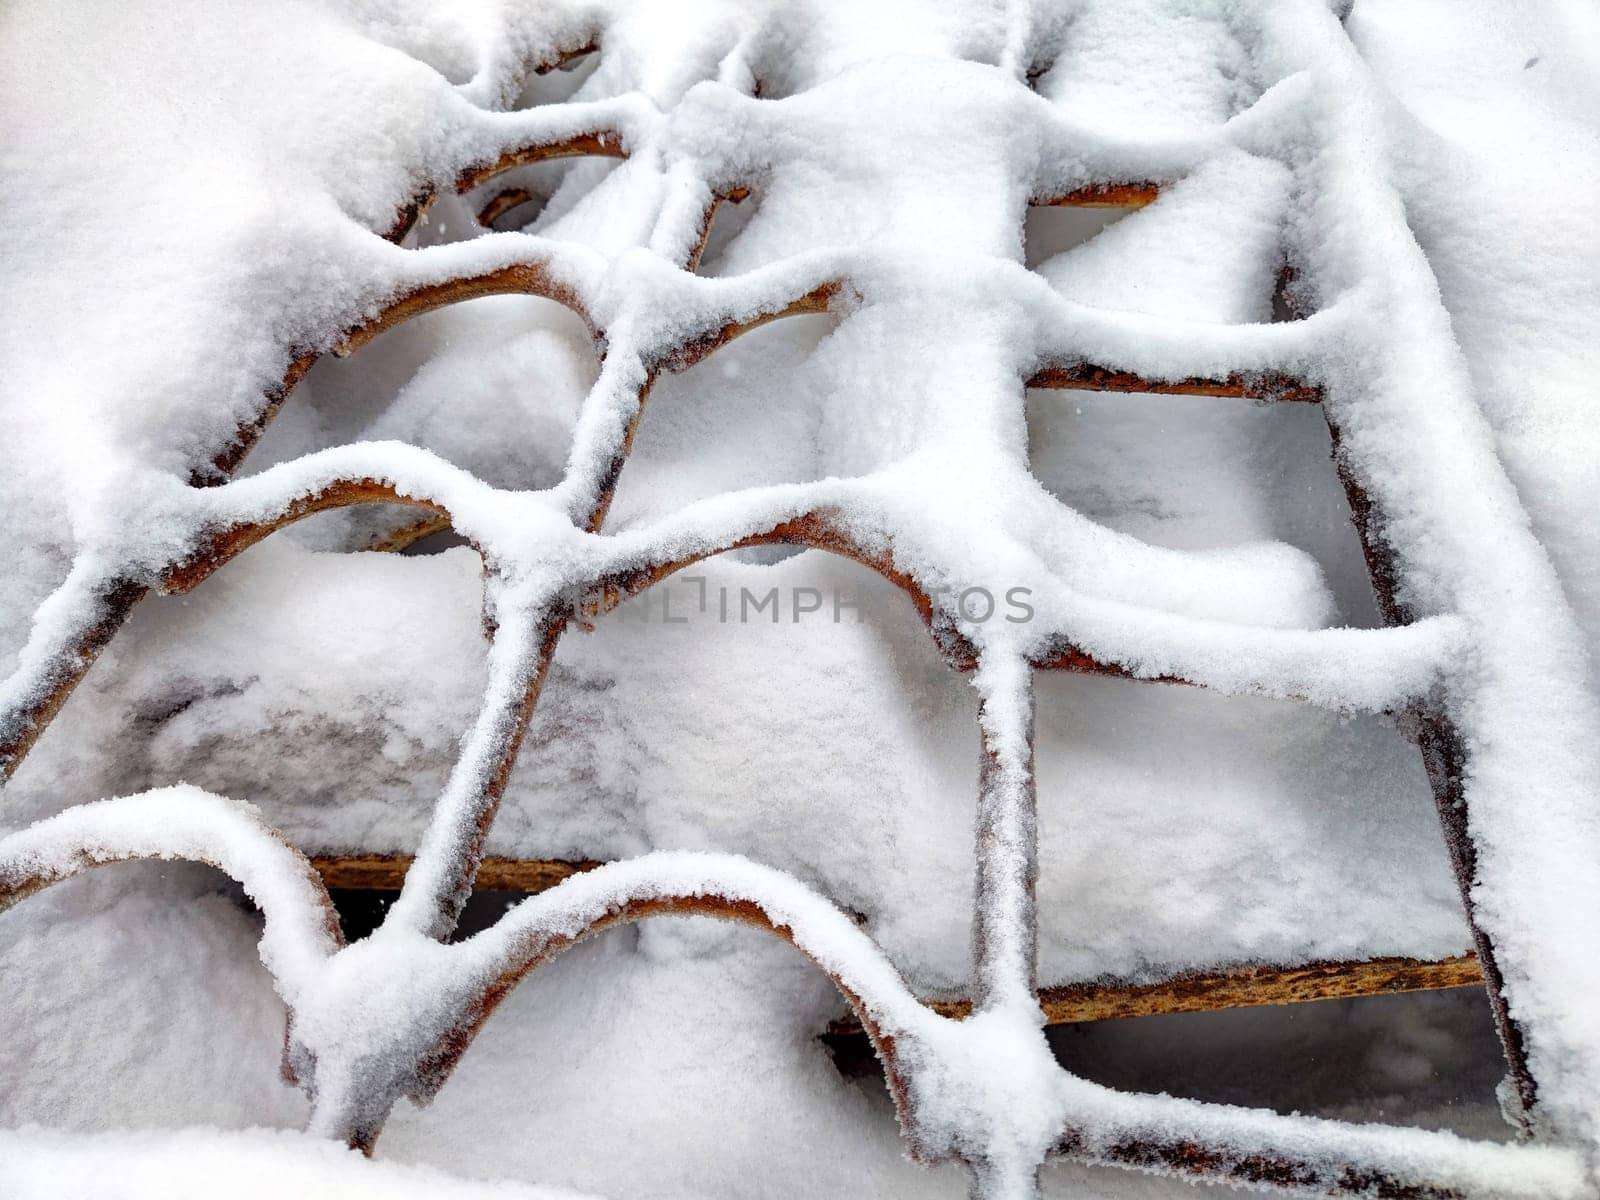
[{"x": 650, "y": 313}]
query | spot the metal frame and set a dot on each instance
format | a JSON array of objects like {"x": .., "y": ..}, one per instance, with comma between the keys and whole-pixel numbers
[{"x": 436, "y": 885}]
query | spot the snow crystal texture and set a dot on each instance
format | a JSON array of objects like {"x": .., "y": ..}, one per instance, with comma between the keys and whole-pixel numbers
[{"x": 688, "y": 287}]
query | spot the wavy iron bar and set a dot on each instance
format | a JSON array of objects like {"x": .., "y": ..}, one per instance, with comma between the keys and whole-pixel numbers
[{"x": 354, "y": 1088}]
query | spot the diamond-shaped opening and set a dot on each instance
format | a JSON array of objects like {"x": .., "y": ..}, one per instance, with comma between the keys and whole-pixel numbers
[
  {"x": 749, "y": 415},
  {"x": 559, "y": 83},
  {"x": 330, "y": 689},
  {"x": 1425, "y": 1059},
  {"x": 1209, "y": 247},
  {"x": 519, "y": 364},
  {"x": 1182, "y": 831},
  {"x": 670, "y": 1005},
  {"x": 1054, "y": 229},
  {"x": 1203, "y": 473},
  {"x": 797, "y": 713},
  {"x": 522, "y": 197},
  {"x": 731, "y": 220},
  {"x": 1428, "y": 1059},
  {"x": 163, "y": 956},
  {"x": 1190, "y": 74}
]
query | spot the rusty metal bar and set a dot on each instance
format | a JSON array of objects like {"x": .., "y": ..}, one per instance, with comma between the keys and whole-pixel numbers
[
  {"x": 1444, "y": 756},
  {"x": 1248, "y": 987},
  {"x": 1104, "y": 195},
  {"x": 1088, "y": 377},
  {"x": 1100, "y": 1000}
]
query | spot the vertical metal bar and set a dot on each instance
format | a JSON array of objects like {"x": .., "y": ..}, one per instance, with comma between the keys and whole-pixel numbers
[
  {"x": 1005, "y": 921},
  {"x": 1003, "y": 1181},
  {"x": 1444, "y": 756}
]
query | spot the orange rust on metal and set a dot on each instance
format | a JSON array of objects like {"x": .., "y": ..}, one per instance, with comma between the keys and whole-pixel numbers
[
  {"x": 227, "y": 460},
  {"x": 1067, "y": 657},
  {"x": 733, "y": 196},
  {"x": 525, "y": 279},
  {"x": 501, "y": 203},
  {"x": 1245, "y": 988},
  {"x": 600, "y": 143},
  {"x": 814, "y": 301},
  {"x": 1260, "y": 986},
  {"x": 1105, "y": 195},
  {"x": 393, "y": 540},
  {"x": 703, "y": 238},
  {"x": 1270, "y": 385},
  {"x": 233, "y": 540},
  {"x": 386, "y": 872},
  {"x": 407, "y": 216},
  {"x": 564, "y": 58}
]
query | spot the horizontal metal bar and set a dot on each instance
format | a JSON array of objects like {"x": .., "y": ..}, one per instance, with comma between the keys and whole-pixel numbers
[
  {"x": 1241, "y": 987},
  {"x": 1105, "y": 195},
  {"x": 1245, "y": 987},
  {"x": 1088, "y": 377},
  {"x": 1258, "y": 1149},
  {"x": 386, "y": 872}
]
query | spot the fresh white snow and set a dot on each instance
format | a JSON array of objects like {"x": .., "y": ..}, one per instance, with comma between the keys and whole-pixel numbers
[{"x": 196, "y": 201}]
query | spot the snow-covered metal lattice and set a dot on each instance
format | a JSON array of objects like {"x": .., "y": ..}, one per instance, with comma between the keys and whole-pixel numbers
[{"x": 897, "y": 185}]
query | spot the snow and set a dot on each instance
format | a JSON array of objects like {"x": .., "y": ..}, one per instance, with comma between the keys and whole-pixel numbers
[
  {"x": 567, "y": 1082},
  {"x": 185, "y": 823},
  {"x": 1501, "y": 111},
  {"x": 128, "y": 1166},
  {"x": 1527, "y": 714},
  {"x": 136, "y": 994},
  {"x": 1273, "y": 813}
]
